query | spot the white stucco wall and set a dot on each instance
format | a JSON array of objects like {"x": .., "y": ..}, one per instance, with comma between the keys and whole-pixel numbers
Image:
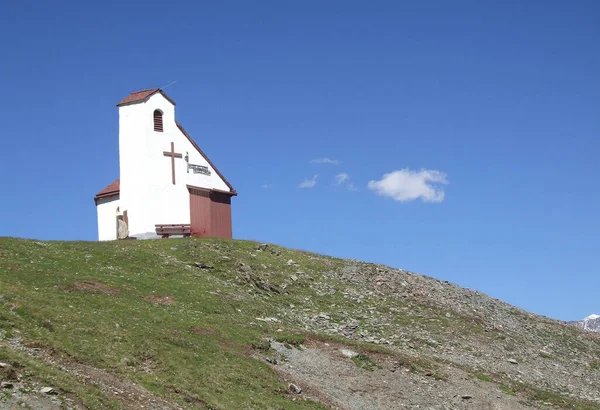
[
  {"x": 146, "y": 189},
  {"x": 106, "y": 208}
]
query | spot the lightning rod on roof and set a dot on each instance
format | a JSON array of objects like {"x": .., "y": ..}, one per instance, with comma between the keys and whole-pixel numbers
[{"x": 168, "y": 85}]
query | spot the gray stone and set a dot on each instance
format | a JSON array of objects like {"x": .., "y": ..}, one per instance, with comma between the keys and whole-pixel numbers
[
  {"x": 203, "y": 266},
  {"x": 3, "y": 365},
  {"x": 145, "y": 235},
  {"x": 349, "y": 353},
  {"x": 122, "y": 229},
  {"x": 294, "y": 388},
  {"x": 290, "y": 262},
  {"x": 513, "y": 361},
  {"x": 268, "y": 319},
  {"x": 6, "y": 385},
  {"x": 262, "y": 247},
  {"x": 47, "y": 390}
]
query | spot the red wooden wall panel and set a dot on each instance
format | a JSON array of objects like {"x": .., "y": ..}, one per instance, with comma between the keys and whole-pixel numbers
[
  {"x": 200, "y": 207},
  {"x": 210, "y": 213},
  {"x": 220, "y": 215}
]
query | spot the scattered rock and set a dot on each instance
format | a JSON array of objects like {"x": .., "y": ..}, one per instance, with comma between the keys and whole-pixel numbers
[
  {"x": 466, "y": 396},
  {"x": 294, "y": 278},
  {"x": 513, "y": 361},
  {"x": 294, "y": 388},
  {"x": 48, "y": 390},
  {"x": 203, "y": 266},
  {"x": 290, "y": 262},
  {"x": 262, "y": 247},
  {"x": 3, "y": 365},
  {"x": 268, "y": 319},
  {"x": 6, "y": 385},
  {"x": 349, "y": 328},
  {"x": 261, "y": 284},
  {"x": 349, "y": 353}
]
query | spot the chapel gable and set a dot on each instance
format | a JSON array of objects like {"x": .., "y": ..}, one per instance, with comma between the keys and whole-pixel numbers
[{"x": 165, "y": 179}]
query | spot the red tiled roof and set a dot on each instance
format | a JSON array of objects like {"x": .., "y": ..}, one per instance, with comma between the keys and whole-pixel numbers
[
  {"x": 232, "y": 191},
  {"x": 137, "y": 96},
  {"x": 111, "y": 190}
]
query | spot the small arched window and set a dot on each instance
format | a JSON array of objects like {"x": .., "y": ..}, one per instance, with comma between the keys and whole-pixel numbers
[{"x": 158, "y": 122}]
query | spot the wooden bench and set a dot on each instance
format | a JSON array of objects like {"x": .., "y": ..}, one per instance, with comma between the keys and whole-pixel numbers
[{"x": 166, "y": 230}]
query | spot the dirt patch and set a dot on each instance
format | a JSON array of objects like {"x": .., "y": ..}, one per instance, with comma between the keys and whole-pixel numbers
[
  {"x": 309, "y": 391},
  {"x": 160, "y": 300},
  {"x": 91, "y": 286},
  {"x": 128, "y": 394},
  {"x": 199, "y": 403},
  {"x": 202, "y": 331},
  {"x": 8, "y": 373},
  {"x": 323, "y": 372}
]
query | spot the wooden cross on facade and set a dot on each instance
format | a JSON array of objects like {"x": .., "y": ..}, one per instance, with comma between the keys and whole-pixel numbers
[{"x": 173, "y": 155}]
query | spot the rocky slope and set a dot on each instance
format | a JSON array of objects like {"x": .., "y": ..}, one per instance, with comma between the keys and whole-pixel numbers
[{"x": 214, "y": 324}]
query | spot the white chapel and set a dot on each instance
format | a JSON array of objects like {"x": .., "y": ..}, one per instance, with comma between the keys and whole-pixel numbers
[{"x": 167, "y": 185}]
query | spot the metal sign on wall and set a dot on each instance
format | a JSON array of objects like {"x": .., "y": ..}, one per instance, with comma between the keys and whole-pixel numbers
[{"x": 197, "y": 169}]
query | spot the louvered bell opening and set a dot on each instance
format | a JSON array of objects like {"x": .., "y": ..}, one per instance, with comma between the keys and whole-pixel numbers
[{"x": 158, "y": 122}]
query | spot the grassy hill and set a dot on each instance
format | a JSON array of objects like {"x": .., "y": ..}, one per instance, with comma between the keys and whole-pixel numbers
[{"x": 220, "y": 324}]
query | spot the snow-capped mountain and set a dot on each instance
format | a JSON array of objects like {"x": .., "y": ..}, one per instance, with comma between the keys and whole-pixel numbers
[{"x": 591, "y": 323}]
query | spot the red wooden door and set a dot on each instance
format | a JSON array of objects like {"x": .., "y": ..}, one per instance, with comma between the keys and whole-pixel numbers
[
  {"x": 220, "y": 215},
  {"x": 200, "y": 212}
]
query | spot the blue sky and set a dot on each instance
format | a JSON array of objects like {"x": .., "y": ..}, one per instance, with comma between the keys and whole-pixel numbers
[{"x": 493, "y": 103}]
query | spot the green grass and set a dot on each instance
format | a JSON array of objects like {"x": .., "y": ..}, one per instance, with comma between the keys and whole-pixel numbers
[
  {"x": 290, "y": 339},
  {"x": 195, "y": 347},
  {"x": 483, "y": 377},
  {"x": 365, "y": 362},
  {"x": 144, "y": 311},
  {"x": 508, "y": 390},
  {"x": 33, "y": 369}
]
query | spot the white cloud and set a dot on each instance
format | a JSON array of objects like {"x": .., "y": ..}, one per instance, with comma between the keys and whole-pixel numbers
[
  {"x": 265, "y": 186},
  {"x": 325, "y": 161},
  {"x": 309, "y": 183},
  {"x": 406, "y": 185},
  {"x": 344, "y": 179},
  {"x": 341, "y": 178}
]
